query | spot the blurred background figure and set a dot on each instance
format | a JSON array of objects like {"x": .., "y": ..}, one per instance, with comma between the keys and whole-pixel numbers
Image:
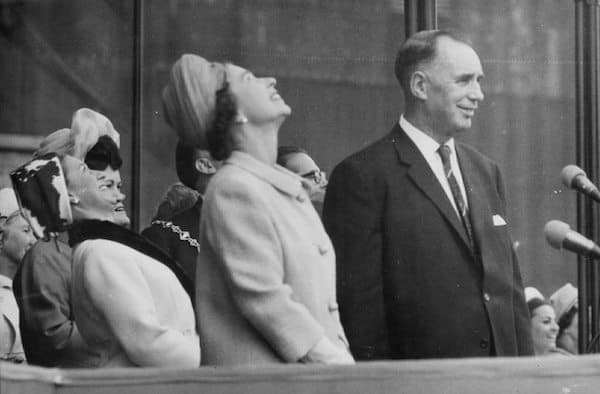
[
  {"x": 543, "y": 323},
  {"x": 177, "y": 233},
  {"x": 564, "y": 301},
  {"x": 298, "y": 161},
  {"x": 16, "y": 238},
  {"x": 177, "y": 198}
]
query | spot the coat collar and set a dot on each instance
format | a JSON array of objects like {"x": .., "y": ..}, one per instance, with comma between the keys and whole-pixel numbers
[
  {"x": 5, "y": 282},
  {"x": 422, "y": 176},
  {"x": 277, "y": 176},
  {"x": 99, "y": 229}
]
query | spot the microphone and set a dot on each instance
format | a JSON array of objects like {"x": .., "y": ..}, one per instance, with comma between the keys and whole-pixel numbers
[
  {"x": 559, "y": 235},
  {"x": 575, "y": 178}
]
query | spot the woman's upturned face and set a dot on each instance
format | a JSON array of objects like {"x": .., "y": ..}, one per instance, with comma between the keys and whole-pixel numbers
[
  {"x": 543, "y": 329},
  {"x": 256, "y": 98}
]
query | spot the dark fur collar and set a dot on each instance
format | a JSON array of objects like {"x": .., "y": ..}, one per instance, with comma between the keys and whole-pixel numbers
[{"x": 100, "y": 229}]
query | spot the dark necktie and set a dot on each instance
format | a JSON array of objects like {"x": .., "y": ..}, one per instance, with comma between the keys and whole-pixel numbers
[{"x": 459, "y": 200}]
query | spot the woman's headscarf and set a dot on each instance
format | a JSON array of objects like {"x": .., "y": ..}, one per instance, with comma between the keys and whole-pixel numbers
[{"x": 189, "y": 97}]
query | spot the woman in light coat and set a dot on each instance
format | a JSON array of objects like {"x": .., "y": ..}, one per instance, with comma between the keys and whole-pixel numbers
[{"x": 265, "y": 282}]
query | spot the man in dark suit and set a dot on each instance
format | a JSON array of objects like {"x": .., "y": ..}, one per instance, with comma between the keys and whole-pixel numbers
[
  {"x": 178, "y": 234},
  {"x": 418, "y": 220}
]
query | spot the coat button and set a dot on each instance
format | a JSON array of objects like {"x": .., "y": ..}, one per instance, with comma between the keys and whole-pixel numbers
[
  {"x": 300, "y": 198},
  {"x": 333, "y": 306},
  {"x": 323, "y": 249},
  {"x": 486, "y": 297},
  {"x": 484, "y": 344}
]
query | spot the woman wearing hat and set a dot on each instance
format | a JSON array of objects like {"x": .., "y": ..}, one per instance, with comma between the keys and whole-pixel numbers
[
  {"x": 265, "y": 282},
  {"x": 16, "y": 238},
  {"x": 564, "y": 301}
]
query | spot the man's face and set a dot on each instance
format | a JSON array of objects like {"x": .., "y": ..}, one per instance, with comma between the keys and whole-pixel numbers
[
  {"x": 315, "y": 179},
  {"x": 453, "y": 87},
  {"x": 17, "y": 238},
  {"x": 98, "y": 192}
]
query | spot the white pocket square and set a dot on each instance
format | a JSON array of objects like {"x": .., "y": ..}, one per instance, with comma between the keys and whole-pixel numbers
[{"x": 498, "y": 220}]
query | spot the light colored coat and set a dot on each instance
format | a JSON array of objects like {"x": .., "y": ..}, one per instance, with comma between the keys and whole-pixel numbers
[
  {"x": 265, "y": 281},
  {"x": 131, "y": 309}
]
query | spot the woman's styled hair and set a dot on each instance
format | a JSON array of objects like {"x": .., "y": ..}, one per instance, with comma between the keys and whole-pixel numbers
[
  {"x": 220, "y": 141},
  {"x": 103, "y": 154},
  {"x": 566, "y": 319}
]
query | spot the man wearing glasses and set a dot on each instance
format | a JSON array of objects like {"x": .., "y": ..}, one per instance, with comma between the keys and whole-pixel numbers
[{"x": 299, "y": 162}]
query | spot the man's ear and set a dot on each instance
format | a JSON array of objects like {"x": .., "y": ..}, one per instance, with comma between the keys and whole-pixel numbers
[
  {"x": 418, "y": 85},
  {"x": 204, "y": 166},
  {"x": 73, "y": 200}
]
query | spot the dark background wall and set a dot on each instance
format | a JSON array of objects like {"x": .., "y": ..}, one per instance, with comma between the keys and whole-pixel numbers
[{"x": 333, "y": 60}]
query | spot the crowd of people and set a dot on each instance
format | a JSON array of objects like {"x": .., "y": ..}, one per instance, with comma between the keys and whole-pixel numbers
[{"x": 255, "y": 257}]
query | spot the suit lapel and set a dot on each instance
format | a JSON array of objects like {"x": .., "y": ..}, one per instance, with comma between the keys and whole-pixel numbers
[{"x": 424, "y": 178}]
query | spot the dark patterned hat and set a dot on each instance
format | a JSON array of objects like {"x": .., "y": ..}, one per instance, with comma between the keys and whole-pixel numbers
[{"x": 42, "y": 194}]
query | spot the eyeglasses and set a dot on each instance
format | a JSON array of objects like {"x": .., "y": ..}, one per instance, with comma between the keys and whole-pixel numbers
[{"x": 317, "y": 176}]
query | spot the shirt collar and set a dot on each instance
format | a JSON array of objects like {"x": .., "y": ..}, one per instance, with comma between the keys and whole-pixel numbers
[
  {"x": 5, "y": 282},
  {"x": 276, "y": 175},
  {"x": 425, "y": 143}
]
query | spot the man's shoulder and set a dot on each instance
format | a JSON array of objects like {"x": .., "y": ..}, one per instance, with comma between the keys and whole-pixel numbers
[
  {"x": 189, "y": 217},
  {"x": 475, "y": 155},
  {"x": 374, "y": 154},
  {"x": 47, "y": 250}
]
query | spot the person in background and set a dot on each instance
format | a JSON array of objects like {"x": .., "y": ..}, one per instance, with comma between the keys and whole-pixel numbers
[
  {"x": 543, "y": 323},
  {"x": 299, "y": 162},
  {"x": 265, "y": 281},
  {"x": 425, "y": 262},
  {"x": 16, "y": 238},
  {"x": 178, "y": 235},
  {"x": 177, "y": 198},
  {"x": 565, "y": 304},
  {"x": 43, "y": 282}
]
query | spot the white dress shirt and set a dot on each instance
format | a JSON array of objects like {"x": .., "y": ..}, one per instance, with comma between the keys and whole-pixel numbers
[{"x": 429, "y": 149}]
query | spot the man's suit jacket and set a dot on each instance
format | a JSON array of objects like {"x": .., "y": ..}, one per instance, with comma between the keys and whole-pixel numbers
[{"x": 409, "y": 284}]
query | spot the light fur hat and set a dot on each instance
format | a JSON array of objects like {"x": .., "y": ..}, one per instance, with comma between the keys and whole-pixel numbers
[
  {"x": 8, "y": 202},
  {"x": 189, "y": 98},
  {"x": 564, "y": 299},
  {"x": 531, "y": 293},
  {"x": 87, "y": 126}
]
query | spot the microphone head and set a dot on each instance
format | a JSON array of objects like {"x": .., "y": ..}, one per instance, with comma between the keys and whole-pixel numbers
[
  {"x": 569, "y": 173},
  {"x": 555, "y": 232}
]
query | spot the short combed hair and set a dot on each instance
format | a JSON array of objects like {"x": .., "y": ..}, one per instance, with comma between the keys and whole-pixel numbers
[
  {"x": 104, "y": 154},
  {"x": 418, "y": 49},
  {"x": 185, "y": 158},
  {"x": 284, "y": 151}
]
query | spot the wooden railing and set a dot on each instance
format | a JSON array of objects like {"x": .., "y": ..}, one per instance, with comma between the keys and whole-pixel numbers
[{"x": 562, "y": 375}]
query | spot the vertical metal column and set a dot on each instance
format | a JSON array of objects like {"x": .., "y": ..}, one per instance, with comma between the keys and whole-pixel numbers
[
  {"x": 419, "y": 15},
  {"x": 587, "y": 61},
  {"x": 137, "y": 112}
]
